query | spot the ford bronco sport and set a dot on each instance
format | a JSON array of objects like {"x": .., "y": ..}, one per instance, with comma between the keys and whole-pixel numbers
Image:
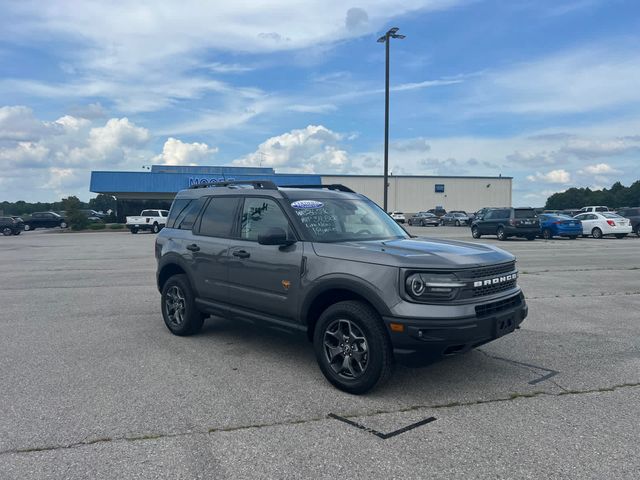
[{"x": 331, "y": 263}]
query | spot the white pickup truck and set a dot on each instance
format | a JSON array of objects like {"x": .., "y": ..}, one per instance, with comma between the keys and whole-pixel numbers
[{"x": 152, "y": 220}]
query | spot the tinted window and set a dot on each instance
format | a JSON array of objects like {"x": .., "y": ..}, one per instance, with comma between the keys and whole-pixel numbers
[
  {"x": 524, "y": 213},
  {"x": 149, "y": 213},
  {"x": 177, "y": 208},
  {"x": 610, "y": 215},
  {"x": 218, "y": 217},
  {"x": 259, "y": 215},
  {"x": 602, "y": 209},
  {"x": 186, "y": 220}
]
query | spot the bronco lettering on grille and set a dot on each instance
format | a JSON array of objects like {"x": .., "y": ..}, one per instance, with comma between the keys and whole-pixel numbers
[{"x": 496, "y": 280}]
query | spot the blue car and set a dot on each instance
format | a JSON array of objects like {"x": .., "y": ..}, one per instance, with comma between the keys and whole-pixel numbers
[{"x": 556, "y": 225}]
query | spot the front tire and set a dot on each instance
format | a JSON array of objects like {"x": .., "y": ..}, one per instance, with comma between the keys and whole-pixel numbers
[
  {"x": 7, "y": 232},
  {"x": 178, "y": 307},
  {"x": 501, "y": 235},
  {"x": 475, "y": 232},
  {"x": 352, "y": 347},
  {"x": 155, "y": 228},
  {"x": 63, "y": 224},
  {"x": 457, "y": 223},
  {"x": 546, "y": 234},
  {"x": 28, "y": 227},
  {"x": 596, "y": 232}
]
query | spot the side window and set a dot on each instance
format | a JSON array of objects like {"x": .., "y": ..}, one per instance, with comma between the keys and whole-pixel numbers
[
  {"x": 177, "y": 209},
  {"x": 259, "y": 215},
  {"x": 188, "y": 218},
  {"x": 488, "y": 215},
  {"x": 219, "y": 216}
]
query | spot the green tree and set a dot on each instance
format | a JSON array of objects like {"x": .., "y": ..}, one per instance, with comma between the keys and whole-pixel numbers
[
  {"x": 76, "y": 219},
  {"x": 102, "y": 203}
]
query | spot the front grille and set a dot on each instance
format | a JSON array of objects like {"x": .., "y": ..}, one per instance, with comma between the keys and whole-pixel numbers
[
  {"x": 493, "y": 289},
  {"x": 489, "y": 309},
  {"x": 490, "y": 271}
]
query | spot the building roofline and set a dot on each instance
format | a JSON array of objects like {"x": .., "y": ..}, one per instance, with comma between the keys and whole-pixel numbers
[{"x": 414, "y": 176}]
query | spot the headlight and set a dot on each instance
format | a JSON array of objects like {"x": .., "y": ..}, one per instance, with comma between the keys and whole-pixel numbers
[{"x": 433, "y": 286}]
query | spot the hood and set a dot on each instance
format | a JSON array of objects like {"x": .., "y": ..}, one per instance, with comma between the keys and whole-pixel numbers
[{"x": 416, "y": 252}]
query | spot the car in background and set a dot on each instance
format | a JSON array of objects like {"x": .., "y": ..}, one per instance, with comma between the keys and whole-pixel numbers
[
  {"x": 151, "y": 220},
  {"x": 422, "y": 219},
  {"x": 438, "y": 211},
  {"x": 398, "y": 217},
  {"x": 11, "y": 225},
  {"x": 480, "y": 213},
  {"x": 454, "y": 218},
  {"x": 45, "y": 220},
  {"x": 604, "y": 223},
  {"x": 507, "y": 222},
  {"x": 557, "y": 225},
  {"x": 92, "y": 215},
  {"x": 594, "y": 209},
  {"x": 633, "y": 214}
]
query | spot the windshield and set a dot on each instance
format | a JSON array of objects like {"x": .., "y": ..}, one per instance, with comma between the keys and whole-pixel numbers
[{"x": 341, "y": 220}]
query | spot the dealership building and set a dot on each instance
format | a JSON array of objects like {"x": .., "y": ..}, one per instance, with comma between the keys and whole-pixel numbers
[{"x": 155, "y": 188}]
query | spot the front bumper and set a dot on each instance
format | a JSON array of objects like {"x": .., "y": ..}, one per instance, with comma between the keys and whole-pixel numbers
[{"x": 423, "y": 340}]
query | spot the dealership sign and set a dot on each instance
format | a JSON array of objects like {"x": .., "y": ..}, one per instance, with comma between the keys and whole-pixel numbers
[{"x": 204, "y": 180}]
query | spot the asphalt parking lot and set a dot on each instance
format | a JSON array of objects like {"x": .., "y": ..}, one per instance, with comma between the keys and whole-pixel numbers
[{"x": 94, "y": 386}]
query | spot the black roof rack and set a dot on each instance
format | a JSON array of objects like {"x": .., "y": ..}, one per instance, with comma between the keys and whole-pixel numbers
[
  {"x": 257, "y": 184},
  {"x": 334, "y": 186}
]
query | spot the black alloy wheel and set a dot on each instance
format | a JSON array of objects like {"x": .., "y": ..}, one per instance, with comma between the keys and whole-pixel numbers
[
  {"x": 475, "y": 232},
  {"x": 501, "y": 235}
]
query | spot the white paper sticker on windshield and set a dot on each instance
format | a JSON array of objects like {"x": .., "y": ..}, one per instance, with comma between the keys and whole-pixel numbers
[{"x": 307, "y": 204}]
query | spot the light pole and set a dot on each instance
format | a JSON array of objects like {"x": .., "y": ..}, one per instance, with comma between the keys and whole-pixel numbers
[{"x": 386, "y": 38}]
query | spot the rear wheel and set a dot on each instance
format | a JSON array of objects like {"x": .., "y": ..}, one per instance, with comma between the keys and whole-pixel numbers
[
  {"x": 28, "y": 227},
  {"x": 501, "y": 235},
  {"x": 7, "y": 231},
  {"x": 63, "y": 224},
  {"x": 475, "y": 232},
  {"x": 546, "y": 234},
  {"x": 134, "y": 230},
  {"x": 178, "y": 307},
  {"x": 596, "y": 232},
  {"x": 457, "y": 223},
  {"x": 155, "y": 228},
  {"x": 352, "y": 347}
]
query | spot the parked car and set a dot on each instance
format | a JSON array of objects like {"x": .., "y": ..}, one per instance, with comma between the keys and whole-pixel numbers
[
  {"x": 93, "y": 216},
  {"x": 480, "y": 213},
  {"x": 11, "y": 225},
  {"x": 422, "y": 219},
  {"x": 556, "y": 225},
  {"x": 45, "y": 220},
  {"x": 152, "y": 220},
  {"x": 398, "y": 217},
  {"x": 507, "y": 222},
  {"x": 605, "y": 223},
  {"x": 633, "y": 214},
  {"x": 438, "y": 211},
  {"x": 594, "y": 209},
  {"x": 330, "y": 263},
  {"x": 454, "y": 218}
]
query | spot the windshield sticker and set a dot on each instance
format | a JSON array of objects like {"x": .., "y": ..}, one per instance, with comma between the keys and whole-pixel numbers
[{"x": 307, "y": 204}]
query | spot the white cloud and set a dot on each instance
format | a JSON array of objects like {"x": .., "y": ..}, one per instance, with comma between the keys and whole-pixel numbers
[
  {"x": 600, "y": 169},
  {"x": 175, "y": 152},
  {"x": 311, "y": 149},
  {"x": 554, "y": 176}
]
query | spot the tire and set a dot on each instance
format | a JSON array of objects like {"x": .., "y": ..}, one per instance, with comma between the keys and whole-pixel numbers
[
  {"x": 353, "y": 320},
  {"x": 457, "y": 223},
  {"x": 546, "y": 234},
  {"x": 621, "y": 235},
  {"x": 63, "y": 224},
  {"x": 531, "y": 237},
  {"x": 422, "y": 224},
  {"x": 501, "y": 235},
  {"x": 7, "y": 232},
  {"x": 155, "y": 228},
  {"x": 475, "y": 232},
  {"x": 134, "y": 230},
  {"x": 27, "y": 227},
  {"x": 596, "y": 232},
  {"x": 638, "y": 230},
  {"x": 179, "y": 310},
  {"x": 572, "y": 237}
]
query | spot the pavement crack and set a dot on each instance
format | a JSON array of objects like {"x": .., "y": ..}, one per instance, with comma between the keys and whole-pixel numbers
[{"x": 437, "y": 406}]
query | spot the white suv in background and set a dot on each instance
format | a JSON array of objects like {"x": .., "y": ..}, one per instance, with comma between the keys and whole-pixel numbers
[
  {"x": 594, "y": 209},
  {"x": 604, "y": 223},
  {"x": 398, "y": 217}
]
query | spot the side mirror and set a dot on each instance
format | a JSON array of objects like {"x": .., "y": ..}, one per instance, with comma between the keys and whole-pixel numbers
[{"x": 275, "y": 236}]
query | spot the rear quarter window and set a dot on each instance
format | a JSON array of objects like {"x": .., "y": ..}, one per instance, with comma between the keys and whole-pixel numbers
[
  {"x": 177, "y": 208},
  {"x": 524, "y": 213}
]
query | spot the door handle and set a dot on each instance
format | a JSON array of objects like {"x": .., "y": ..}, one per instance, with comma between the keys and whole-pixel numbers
[
  {"x": 241, "y": 254},
  {"x": 193, "y": 247}
]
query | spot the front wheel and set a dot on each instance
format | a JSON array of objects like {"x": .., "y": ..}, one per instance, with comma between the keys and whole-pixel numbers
[
  {"x": 475, "y": 232},
  {"x": 352, "y": 347},
  {"x": 457, "y": 223},
  {"x": 596, "y": 232},
  {"x": 7, "y": 231},
  {"x": 178, "y": 307},
  {"x": 501, "y": 235},
  {"x": 155, "y": 228},
  {"x": 28, "y": 227},
  {"x": 63, "y": 224},
  {"x": 546, "y": 234}
]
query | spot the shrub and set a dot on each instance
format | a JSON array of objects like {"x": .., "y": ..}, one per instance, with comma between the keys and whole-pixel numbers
[
  {"x": 116, "y": 226},
  {"x": 97, "y": 226}
]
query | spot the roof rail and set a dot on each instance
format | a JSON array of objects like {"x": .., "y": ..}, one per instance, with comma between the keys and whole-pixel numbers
[
  {"x": 334, "y": 186},
  {"x": 257, "y": 184}
]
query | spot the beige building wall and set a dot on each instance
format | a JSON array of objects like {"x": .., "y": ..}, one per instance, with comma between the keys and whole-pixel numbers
[{"x": 412, "y": 194}]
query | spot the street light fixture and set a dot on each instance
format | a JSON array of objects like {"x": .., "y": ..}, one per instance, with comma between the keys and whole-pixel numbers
[{"x": 386, "y": 38}]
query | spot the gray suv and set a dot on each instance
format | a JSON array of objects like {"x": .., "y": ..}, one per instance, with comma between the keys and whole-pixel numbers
[{"x": 331, "y": 263}]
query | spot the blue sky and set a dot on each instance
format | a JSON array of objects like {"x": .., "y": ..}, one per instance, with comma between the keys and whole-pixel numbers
[{"x": 544, "y": 91}]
